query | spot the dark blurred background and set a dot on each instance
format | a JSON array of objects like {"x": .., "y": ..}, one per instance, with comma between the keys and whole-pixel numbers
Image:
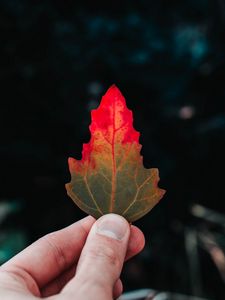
[{"x": 57, "y": 58}]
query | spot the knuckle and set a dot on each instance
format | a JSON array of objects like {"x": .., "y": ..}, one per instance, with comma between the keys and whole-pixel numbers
[
  {"x": 14, "y": 277},
  {"x": 55, "y": 250},
  {"x": 105, "y": 253}
]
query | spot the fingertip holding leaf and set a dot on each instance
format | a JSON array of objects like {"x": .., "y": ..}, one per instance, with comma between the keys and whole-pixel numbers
[{"x": 110, "y": 177}]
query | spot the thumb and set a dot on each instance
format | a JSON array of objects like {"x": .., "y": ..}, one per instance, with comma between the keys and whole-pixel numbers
[{"x": 101, "y": 259}]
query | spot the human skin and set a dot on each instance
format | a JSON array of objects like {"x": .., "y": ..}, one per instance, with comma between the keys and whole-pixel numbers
[{"x": 81, "y": 261}]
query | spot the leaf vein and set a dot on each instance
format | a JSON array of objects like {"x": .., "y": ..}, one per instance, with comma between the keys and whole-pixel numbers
[
  {"x": 136, "y": 195},
  {"x": 91, "y": 195},
  {"x": 80, "y": 201}
]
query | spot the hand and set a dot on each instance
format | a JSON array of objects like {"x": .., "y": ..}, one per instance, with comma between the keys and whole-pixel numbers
[{"x": 82, "y": 261}]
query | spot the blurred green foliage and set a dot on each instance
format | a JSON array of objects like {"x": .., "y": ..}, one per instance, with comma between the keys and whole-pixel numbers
[{"x": 12, "y": 240}]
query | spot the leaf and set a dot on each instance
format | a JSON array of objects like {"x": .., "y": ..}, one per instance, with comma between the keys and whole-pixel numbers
[{"x": 110, "y": 177}]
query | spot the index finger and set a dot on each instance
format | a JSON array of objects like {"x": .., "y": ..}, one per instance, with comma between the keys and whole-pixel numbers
[{"x": 48, "y": 257}]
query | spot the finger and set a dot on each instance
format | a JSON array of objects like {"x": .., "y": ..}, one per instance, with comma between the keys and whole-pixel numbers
[
  {"x": 136, "y": 242},
  {"x": 135, "y": 245},
  {"x": 45, "y": 259},
  {"x": 101, "y": 259},
  {"x": 56, "y": 285},
  {"x": 118, "y": 289}
]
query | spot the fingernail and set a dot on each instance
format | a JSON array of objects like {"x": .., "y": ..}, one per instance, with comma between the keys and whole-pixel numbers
[{"x": 113, "y": 226}]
